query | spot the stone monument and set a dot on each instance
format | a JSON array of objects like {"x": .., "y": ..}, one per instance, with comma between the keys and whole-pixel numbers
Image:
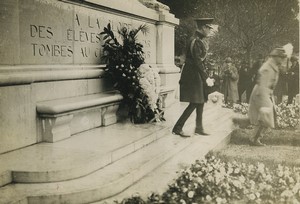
[{"x": 50, "y": 64}]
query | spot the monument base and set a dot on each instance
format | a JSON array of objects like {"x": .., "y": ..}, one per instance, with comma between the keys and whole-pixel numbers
[{"x": 170, "y": 75}]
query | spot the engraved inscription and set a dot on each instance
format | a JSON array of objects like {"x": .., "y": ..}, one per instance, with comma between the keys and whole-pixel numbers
[
  {"x": 41, "y": 49},
  {"x": 86, "y": 35}
]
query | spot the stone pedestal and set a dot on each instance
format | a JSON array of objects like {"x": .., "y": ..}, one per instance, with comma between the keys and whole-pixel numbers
[
  {"x": 169, "y": 73},
  {"x": 52, "y": 50}
]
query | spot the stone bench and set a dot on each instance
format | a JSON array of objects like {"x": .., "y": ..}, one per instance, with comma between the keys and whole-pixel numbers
[{"x": 61, "y": 118}]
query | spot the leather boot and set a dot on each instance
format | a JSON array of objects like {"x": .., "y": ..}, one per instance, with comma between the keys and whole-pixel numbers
[
  {"x": 180, "y": 132},
  {"x": 258, "y": 136}
]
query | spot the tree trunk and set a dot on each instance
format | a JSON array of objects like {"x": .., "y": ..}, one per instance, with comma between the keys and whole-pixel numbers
[{"x": 249, "y": 55}]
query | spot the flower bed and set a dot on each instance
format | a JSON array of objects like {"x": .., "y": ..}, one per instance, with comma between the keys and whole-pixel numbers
[
  {"x": 287, "y": 116},
  {"x": 288, "y": 137},
  {"x": 213, "y": 180}
]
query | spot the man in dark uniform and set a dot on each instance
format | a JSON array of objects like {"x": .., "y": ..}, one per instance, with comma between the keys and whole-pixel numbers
[
  {"x": 244, "y": 83},
  {"x": 193, "y": 81}
]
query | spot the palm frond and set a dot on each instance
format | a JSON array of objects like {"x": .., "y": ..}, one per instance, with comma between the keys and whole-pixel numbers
[
  {"x": 108, "y": 33},
  {"x": 144, "y": 29}
]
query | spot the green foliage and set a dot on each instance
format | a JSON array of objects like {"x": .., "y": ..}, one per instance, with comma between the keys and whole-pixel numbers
[
  {"x": 247, "y": 28},
  {"x": 130, "y": 52}
]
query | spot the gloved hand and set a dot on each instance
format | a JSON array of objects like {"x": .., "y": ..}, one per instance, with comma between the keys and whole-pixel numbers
[{"x": 210, "y": 82}]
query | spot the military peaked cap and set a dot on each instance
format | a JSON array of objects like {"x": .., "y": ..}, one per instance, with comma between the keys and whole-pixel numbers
[{"x": 203, "y": 21}]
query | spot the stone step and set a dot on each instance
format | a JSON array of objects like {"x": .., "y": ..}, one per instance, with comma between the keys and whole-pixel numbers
[
  {"x": 84, "y": 153},
  {"x": 77, "y": 156},
  {"x": 103, "y": 183},
  {"x": 117, "y": 176},
  {"x": 158, "y": 180},
  {"x": 269, "y": 155},
  {"x": 272, "y": 137}
]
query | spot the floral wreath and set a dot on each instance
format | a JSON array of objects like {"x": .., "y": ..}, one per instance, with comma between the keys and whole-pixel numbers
[{"x": 138, "y": 82}]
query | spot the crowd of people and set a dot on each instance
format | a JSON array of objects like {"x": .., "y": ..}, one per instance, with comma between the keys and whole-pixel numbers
[
  {"x": 236, "y": 80},
  {"x": 276, "y": 74}
]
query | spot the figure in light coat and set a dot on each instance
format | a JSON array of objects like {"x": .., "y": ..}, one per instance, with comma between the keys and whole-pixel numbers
[{"x": 261, "y": 106}]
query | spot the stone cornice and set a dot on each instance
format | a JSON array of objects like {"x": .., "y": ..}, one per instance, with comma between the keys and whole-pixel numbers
[
  {"x": 150, "y": 10},
  {"x": 153, "y": 4},
  {"x": 13, "y": 75}
]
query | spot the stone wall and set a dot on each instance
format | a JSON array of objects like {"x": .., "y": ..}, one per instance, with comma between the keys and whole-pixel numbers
[{"x": 51, "y": 49}]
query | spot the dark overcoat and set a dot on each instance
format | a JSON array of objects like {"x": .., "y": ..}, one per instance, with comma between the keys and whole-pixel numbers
[
  {"x": 261, "y": 105},
  {"x": 293, "y": 79},
  {"x": 193, "y": 87},
  {"x": 230, "y": 76}
]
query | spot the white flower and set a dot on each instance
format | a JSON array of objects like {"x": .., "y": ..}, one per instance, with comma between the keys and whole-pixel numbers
[
  {"x": 184, "y": 189},
  {"x": 219, "y": 200},
  {"x": 150, "y": 83},
  {"x": 296, "y": 188},
  {"x": 218, "y": 177},
  {"x": 268, "y": 178},
  {"x": 122, "y": 65},
  {"x": 210, "y": 178},
  {"x": 250, "y": 167},
  {"x": 242, "y": 179},
  {"x": 291, "y": 180},
  {"x": 222, "y": 170},
  {"x": 236, "y": 170},
  {"x": 191, "y": 194},
  {"x": 208, "y": 198},
  {"x": 287, "y": 193},
  {"x": 195, "y": 185},
  {"x": 260, "y": 168},
  {"x": 199, "y": 180},
  {"x": 286, "y": 173},
  {"x": 230, "y": 170},
  {"x": 251, "y": 196},
  {"x": 281, "y": 181},
  {"x": 182, "y": 201},
  {"x": 280, "y": 173},
  {"x": 237, "y": 183}
]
